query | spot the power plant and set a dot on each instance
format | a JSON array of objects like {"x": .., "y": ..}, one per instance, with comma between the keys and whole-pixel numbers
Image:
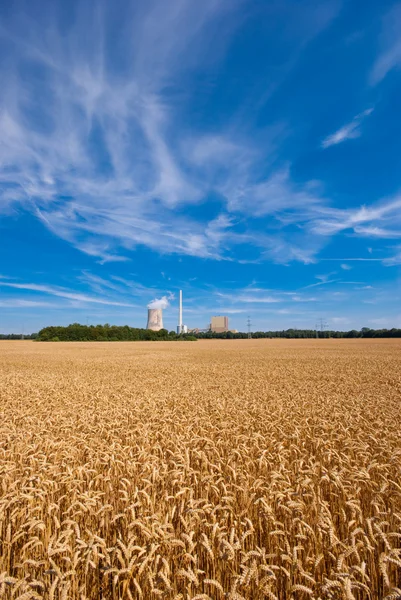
[
  {"x": 155, "y": 319},
  {"x": 155, "y": 314},
  {"x": 219, "y": 324}
]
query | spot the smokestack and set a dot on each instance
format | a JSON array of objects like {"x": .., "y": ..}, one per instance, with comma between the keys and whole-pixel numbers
[
  {"x": 180, "y": 313},
  {"x": 155, "y": 319},
  {"x": 180, "y": 327}
]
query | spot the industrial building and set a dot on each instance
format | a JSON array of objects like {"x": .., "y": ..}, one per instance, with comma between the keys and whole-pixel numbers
[
  {"x": 155, "y": 319},
  {"x": 219, "y": 324},
  {"x": 155, "y": 315}
]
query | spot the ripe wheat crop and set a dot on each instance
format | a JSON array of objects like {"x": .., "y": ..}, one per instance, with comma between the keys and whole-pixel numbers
[{"x": 216, "y": 470}]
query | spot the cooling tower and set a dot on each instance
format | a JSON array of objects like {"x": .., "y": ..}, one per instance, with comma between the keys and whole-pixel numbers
[{"x": 155, "y": 319}]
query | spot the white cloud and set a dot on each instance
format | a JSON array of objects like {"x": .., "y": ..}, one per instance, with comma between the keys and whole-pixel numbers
[
  {"x": 377, "y": 232},
  {"x": 57, "y": 137},
  {"x": 277, "y": 195},
  {"x": 330, "y": 281},
  {"x": 357, "y": 259},
  {"x": 345, "y": 267},
  {"x": 365, "y": 221},
  {"x": 325, "y": 277},
  {"x": 283, "y": 249},
  {"x": 232, "y": 311},
  {"x": 99, "y": 153},
  {"x": 169, "y": 234},
  {"x": 303, "y": 299},
  {"x": 389, "y": 57},
  {"x": 319, "y": 283},
  {"x": 340, "y": 320},
  {"x": 386, "y": 322},
  {"x": 395, "y": 259},
  {"x": 216, "y": 155},
  {"x": 62, "y": 293},
  {"x": 128, "y": 122},
  {"x": 99, "y": 284},
  {"x": 249, "y": 295},
  {"x": 347, "y": 132},
  {"x": 249, "y": 299},
  {"x": 252, "y": 295},
  {"x": 18, "y": 303}
]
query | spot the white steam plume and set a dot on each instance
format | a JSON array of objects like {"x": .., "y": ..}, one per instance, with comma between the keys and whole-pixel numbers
[{"x": 162, "y": 302}]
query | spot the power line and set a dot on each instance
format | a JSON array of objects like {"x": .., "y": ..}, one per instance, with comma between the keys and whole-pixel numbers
[
  {"x": 249, "y": 324},
  {"x": 322, "y": 325}
]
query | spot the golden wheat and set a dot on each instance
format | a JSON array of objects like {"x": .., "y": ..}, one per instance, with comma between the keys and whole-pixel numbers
[{"x": 239, "y": 470}]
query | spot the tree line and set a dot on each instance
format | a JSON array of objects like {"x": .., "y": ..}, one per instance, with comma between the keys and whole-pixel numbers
[
  {"x": 107, "y": 333},
  {"x": 18, "y": 336},
  {"x": 114, "y": 333},
  {"x": 365, "y": 332}
]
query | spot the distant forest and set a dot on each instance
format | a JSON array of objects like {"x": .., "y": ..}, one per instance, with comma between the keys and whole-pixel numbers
[
  {"x": 107, "y": 333},
  {"x": 113, "y": 333},
  {"x": 365, "y": 332},
  {"x": 18, "y": 336}
]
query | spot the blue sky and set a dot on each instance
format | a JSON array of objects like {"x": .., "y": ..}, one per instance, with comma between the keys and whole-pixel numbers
[{"x": 246, "y": 151}]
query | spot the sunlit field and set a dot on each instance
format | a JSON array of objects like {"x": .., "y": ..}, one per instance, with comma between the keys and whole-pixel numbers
[{"x": 217, "y": 469}]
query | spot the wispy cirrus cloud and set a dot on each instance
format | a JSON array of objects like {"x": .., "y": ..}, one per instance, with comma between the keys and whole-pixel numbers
[
  {"x": 62, "y": 293},
  {"x": 380, "y": 220},
  {"x": 319, "y": 283},
  {"x": 386, "y": 322},
  {"x": 276, "y": 195},
  {"x": 340, "y": 320},
  {"x": 256, "y": 296},
  {"x": 350, "y": 131},
  {"x": 395, "y": 259},
  {"x": 389, "y": 56},
  {"x": 249, "y": 296},
  {"x": 351, "y": 259},
  {"x": 331, "y": 281},
  {"x": 92, "y": 141},
  {"x": 93, "y": 144},
  {"x": 299, "y": 298},
  {"x": 256, "y": 299},
  {"x": 18, "y": 303},
  {"x": 377, "y": 232},
  {"x": 87, "y": 136}
]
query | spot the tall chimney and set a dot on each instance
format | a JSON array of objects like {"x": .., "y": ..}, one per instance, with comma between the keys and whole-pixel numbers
[
  {"x": 155, "y": 319},
  {"x": 180, "y": 314},
  {"x": 180, "y": 327}
]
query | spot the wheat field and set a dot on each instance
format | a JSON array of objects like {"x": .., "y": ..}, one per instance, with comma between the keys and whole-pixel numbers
[{"x": 216, "y": 470}]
